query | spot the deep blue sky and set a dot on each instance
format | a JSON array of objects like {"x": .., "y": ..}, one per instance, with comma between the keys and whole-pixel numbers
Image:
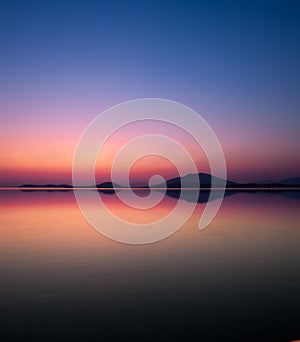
[{"x": 235, "y": 62}]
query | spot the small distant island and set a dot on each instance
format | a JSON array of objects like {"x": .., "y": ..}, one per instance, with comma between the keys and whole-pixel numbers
[
  {"x": 205, "y": 180},
  {"x": 62, "y": 186}
]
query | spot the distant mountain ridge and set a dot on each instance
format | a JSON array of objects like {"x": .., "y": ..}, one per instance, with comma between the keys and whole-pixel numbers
[
  {"x": 189, "y": 180},
  {"x": 67, "y": 186},
  {"x": 291, "y": 181},
  {"x": 205, "y": 181}
]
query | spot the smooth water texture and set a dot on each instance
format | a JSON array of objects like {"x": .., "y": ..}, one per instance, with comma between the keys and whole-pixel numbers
[{"x": 238, "y": 280}]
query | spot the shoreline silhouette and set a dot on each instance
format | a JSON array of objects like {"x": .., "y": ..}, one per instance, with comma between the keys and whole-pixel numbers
[
  {"x": 205, "y": 180},
  {"x": 289, "y": 187}
]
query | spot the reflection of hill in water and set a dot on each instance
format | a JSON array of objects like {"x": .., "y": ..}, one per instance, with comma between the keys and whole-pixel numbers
[
  {"x": 203, "y": 195},
  {"x": 291, "y": 194},
  {"x": 187, "y": 195}
]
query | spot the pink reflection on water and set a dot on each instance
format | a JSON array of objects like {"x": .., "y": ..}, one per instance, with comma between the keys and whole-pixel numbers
[{"x": 48, "y": 227}]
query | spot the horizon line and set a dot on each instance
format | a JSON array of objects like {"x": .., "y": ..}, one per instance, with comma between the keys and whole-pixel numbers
[{"x": 41, "y": 188}]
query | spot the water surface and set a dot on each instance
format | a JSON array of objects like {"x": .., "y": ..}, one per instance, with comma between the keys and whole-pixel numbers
[{"x": 238, "y": 280}]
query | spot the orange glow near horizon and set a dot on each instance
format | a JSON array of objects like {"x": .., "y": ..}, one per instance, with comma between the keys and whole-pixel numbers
[
  {"x": 48, "y": 158},
  {"x": 41, "y": 157},
  {"x": 149, "y": 165}
]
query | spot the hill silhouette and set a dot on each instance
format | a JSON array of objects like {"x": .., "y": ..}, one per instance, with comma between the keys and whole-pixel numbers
[
  {"x": 203, "y": 179},
  {"x": 67, "y": 186},
  {"x": 189, "y": 181},
  {"x": 291, "y": 181}
]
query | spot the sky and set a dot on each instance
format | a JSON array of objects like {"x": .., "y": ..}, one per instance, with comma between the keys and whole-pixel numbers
[{"x": 62, "y": 63}]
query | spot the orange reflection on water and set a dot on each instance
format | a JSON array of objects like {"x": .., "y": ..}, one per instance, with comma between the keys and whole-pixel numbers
[
  {"x": 135, "y": 215},
  {"x": 51, "y": 224}
]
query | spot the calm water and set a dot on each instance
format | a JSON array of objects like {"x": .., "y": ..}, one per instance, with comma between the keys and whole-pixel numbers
[{"x": 238, "y": 280}]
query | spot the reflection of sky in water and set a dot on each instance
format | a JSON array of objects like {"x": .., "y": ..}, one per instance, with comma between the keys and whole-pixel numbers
[{"x": 239, "y": 276}]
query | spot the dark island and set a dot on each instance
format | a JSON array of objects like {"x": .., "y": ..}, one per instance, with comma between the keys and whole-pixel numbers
[{"x": 189, "y": 180}]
